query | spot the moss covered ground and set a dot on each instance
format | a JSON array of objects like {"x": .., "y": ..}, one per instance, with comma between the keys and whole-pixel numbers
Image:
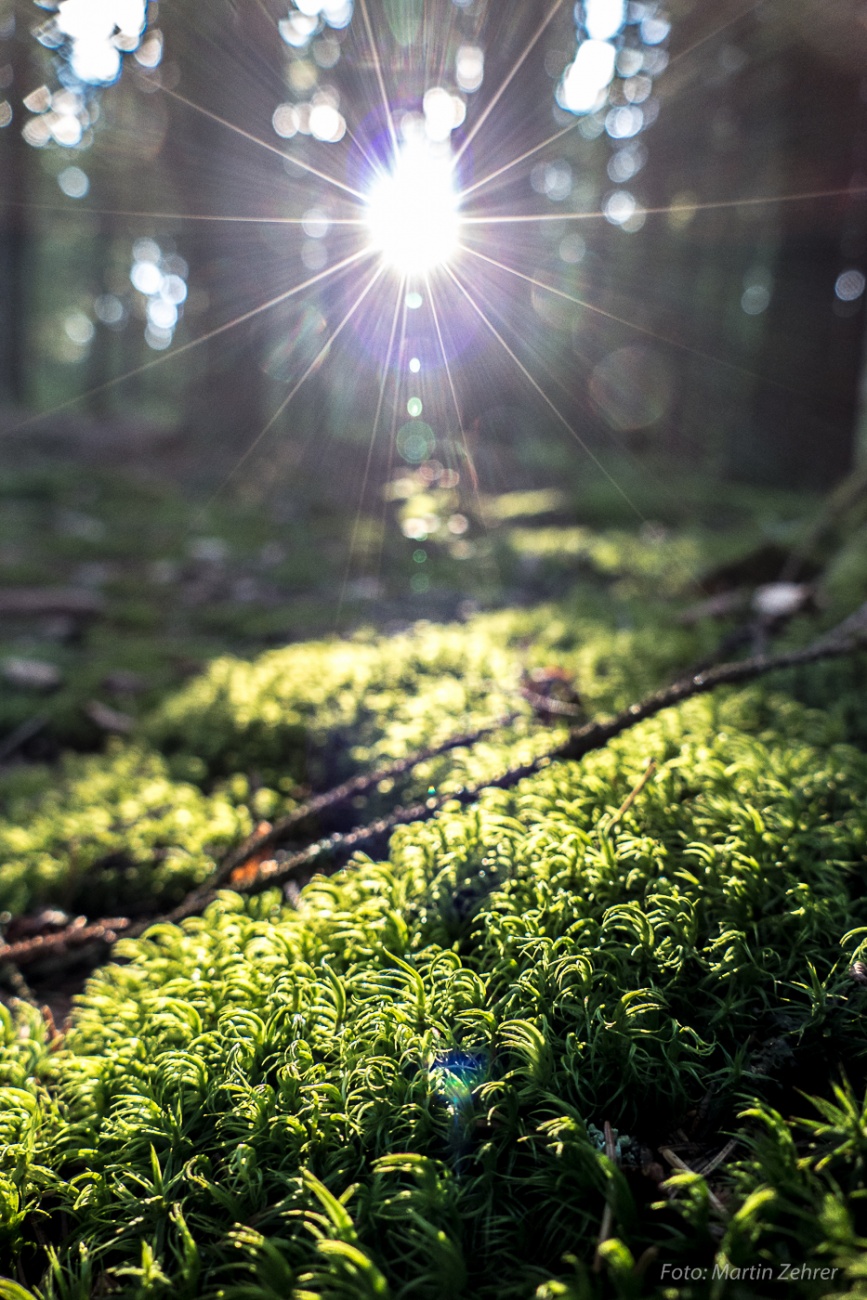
[{"x": 602, "y": 1034}]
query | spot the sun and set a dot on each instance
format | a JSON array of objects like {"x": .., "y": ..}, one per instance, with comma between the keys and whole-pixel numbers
[{"x": 413, "y": 211}]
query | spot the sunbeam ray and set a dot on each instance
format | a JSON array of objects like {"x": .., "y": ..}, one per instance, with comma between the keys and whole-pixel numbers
[
  {"x": 717, "y": 31},
  {"x": 623, "y": 320},
  {"x": 399, "y": 300},
  {"x": 377, "y": 65},
  {"x": 395, "y": 414},
  {"x": 263, "y": 144},
  {"x": 713, "y": 205},
  {"x": 474, "y": 478},
  {"x": 332, "y": 338},
  {"x": 372, "y": 161},
  {"x": 141, "y": 214},
  {"x": 171, "y": 355},
  {"x": 507, "y": 167},
  {"x": 646, "y": 469},
  {"x": 540, "y": 390},
  {"x": 508, "y": 79}
]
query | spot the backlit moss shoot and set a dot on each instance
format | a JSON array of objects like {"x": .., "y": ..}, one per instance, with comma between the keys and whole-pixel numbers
[
  {"x": 145, "y": 822},
  {"x": 397, "y": 1087},
  {"x": 116, "y": 828}
]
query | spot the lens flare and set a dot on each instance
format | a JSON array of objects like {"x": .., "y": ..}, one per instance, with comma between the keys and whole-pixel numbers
[{"x": 412, "y": 213}]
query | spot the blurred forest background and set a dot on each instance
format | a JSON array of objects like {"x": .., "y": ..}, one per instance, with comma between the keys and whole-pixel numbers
[{"x": 672, "y": 338}]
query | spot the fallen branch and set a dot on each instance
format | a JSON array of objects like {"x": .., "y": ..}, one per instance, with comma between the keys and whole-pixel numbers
[
  {"x": 32, "y": 602},
  {"x": 10, "y": 744},
  {"x": 351, "y": 789},
  {"x": 77, "y": 935},
  {"x": 581, "y": 741}
]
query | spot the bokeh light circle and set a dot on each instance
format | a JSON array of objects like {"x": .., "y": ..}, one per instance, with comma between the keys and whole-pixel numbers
[
  {"x": 632, "y": 387},
  {"x": 416, "y": 441}
]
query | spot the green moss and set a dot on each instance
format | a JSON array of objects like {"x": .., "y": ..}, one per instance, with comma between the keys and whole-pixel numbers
[
  {"x": 108, "y": 832},
  {"x": 397, "y": 1088},
  {"x": 129, "y": 829},
  {"x": 316, "y": 712},
  {"x": 635, "y": 561},
  {"x": 838, "y": 687},
  {"x": 28, "y": 1115}
]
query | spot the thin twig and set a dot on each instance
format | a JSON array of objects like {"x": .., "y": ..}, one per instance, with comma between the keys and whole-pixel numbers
[
  {"x": 73, "y": 936},
  {"x": 581, "y": 741},
  {"x": 708, "y": 1166},
  {"x": 606, "y": 1228},
  {"x": 20, "y": 736},
  {"x": 675, "y": 1161},
  {"x": 351, "y": 789},
  {"x": 551, "y": 705},
  {"x": 633, "y": 795},
  {"x": 11, "y": 975}
]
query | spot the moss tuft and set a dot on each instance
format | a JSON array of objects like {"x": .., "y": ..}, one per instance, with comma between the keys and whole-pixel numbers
[
  {"x": 399, "y": 1086},
  {"x": 114, "y": 828}
]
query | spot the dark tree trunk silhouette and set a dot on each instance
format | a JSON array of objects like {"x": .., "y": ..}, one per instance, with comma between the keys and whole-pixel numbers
[
  {"x": 806, "y": 403},
  {"x": 230, "y": 68},
  {"x": 16, "y": 224}
]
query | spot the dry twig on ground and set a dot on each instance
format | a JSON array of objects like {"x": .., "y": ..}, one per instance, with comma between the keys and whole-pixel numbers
[{"x": 846, "y": 639}]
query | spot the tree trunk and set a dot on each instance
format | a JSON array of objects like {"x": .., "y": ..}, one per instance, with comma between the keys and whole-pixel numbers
[
  {"x": 16, "y": 226},
  {"x": 218, "y": 172},
  {"x": 805, "y": 408}
]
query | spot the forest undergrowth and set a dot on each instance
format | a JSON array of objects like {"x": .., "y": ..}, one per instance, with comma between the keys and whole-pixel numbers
[{"x": 600, "y": 1033}]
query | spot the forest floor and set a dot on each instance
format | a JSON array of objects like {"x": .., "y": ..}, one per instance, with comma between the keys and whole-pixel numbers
[
  {"x": 125, "y": 573},
  {"x": 513, "y": 1058}
]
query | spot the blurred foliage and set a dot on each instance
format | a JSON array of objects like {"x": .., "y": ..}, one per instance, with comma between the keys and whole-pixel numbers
[{"x": 183, "y": 582}]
